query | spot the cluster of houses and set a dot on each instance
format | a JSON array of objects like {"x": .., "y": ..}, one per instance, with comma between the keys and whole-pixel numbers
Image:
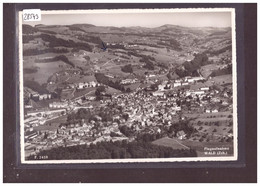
[
  {"x": 147, "y": 111},
  {"x": 35, "y": 95},
  {"x": 63, "y": 104},
  {"x": 123, "y": 44},
  {"x": 129, "y": 81},
  {"x": 46, "y": 112},
  {"x": 83, "y": 85},
  {"x": 211, "y": 110},
  {"x": 187, "y": 80},
  {"x": 72, "y": 134}
]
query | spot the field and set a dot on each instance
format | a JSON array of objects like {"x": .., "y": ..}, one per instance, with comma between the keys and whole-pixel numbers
[
  {"x": 222, "y": 79},
  {"x": 170, "y": 142},
  {"x": 198, "y": 146},
  {"x": 211, "y": 127},
  {"x": 67, "y": 94},
  {"x": 51, "y": 125},
  {"x": 112, "y": 91},
  {"x": 208, "y": 115},
  {"x": 85, "y": 91},
  {"x": 44, "y": 70},
  {"x": 208, "y": 69},
  {"x": 133, "y": 86},
  {"x": 115, "y": 70}
]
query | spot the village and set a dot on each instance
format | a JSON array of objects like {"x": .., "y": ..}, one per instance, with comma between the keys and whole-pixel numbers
[{"x": 147, "y": 109}]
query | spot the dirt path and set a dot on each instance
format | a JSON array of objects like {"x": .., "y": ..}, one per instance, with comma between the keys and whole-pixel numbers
[{"x": 109, "y": 61}]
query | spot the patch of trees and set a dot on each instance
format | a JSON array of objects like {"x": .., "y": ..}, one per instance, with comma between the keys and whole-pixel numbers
[
  {"x": 27, "y": 29},
  {"x": 171, "y": 43},
  {"x": 172, "y": 74},
  {"x": 190, "y": 68},
  {"x": 91, "y": 39},
  {"x": 224, "y": 71},
  {"x": 154, "y": 86},
  {"x": 147, "y": 60},
  {"x": 126, "y": 130},
  {"x": 57, "y": 58},
  {"x": 99, "y": 92},
  {"x": 127, "y": 68},
  {"x": 55, "y": 42},
  {"x": 198, "y": 61},
  {"x": 78, "y": 116},
  {"x": 144, "y": 57},
  {"x": 148, "y": 137},
  {"x": 220, "y": 51},
  {"x": 113, "y": 134},
  {"x": 35, "y": 86},
  {"x": 175, "y": 44},
  {"x": 101, "y": 78},
  {"x": 48, "y": 32},
  {"x": 163, "y": 65},
  {"x": 35, "y": 51},
  {"x": 87, "y": 58},
  {"x": 115, "y": 150},
  {"x": 182, "y": 73},
  {"x": 27, "y": 38},
  {"x": 182, "y": 126},
  {"x": 149, "y": 65}
]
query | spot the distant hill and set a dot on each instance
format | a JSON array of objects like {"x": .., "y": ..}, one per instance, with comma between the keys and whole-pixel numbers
[{"x": 167, "y": 48}]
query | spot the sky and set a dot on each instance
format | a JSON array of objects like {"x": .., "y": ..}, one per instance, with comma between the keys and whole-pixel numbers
[{"x": 150, "y": 20}]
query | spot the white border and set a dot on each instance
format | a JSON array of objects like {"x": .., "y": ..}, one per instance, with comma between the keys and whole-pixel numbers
[{"x": 234, "y": 81}]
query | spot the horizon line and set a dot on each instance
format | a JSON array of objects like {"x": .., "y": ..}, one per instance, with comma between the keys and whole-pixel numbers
[{"x": 128, "y": 26}]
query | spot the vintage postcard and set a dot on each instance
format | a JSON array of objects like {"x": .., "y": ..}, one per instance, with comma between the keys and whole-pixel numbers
[{"x": 127, "y": 85}]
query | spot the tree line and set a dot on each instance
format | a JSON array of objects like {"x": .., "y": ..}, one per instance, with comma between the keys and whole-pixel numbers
[
  {"x": 41, "y": 89},
  {"x": 36, "y": 51},
  {"x": 224, "y": 71},
  {"x": 101, "y": 78},
  {"x": 115, "y": 150},
  {"x": 56, "y": 58}
]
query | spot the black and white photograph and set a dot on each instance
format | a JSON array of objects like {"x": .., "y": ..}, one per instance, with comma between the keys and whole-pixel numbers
[{"x": 128, "y": 85}]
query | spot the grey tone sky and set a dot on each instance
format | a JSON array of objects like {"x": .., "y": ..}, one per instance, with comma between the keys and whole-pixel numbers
[{"x": 188, "y": 19}]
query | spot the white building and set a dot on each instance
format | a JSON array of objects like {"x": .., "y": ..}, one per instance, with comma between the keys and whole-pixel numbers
[
  {"x": 81, "y": 85},
  {"x": 193, "y": 79},
  {"x": 204, "y": 88},
  {"x": 58, "y": 105},
  {"x": 161, "y": 87},
  {"x": 177, "y": 108},
  {"x": 93, "y": 84},
  {"x": 207, "y": 111},
  {"x": 199, "y": 92},
  {"x": 176, "y": 84},
  {"x": 158, "y": 93},
  {"x": 128, "y": 81}
]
